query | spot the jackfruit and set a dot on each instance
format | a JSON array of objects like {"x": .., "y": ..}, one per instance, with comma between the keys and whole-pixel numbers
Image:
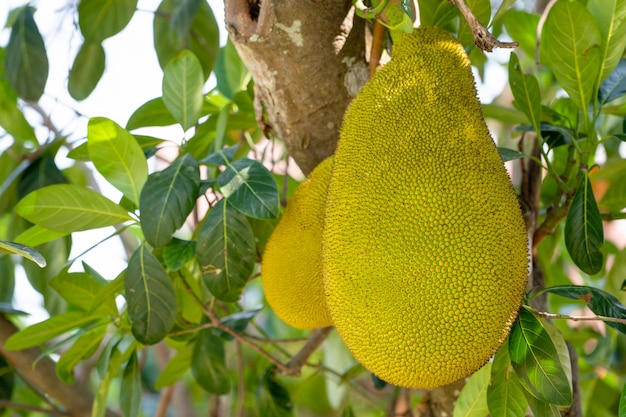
[
  {"x": 291, "y": 271},
  {"x": 424, "y": 253}
]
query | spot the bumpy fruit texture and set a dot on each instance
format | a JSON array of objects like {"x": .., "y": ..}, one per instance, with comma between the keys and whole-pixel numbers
[
  {"x": 292, "y": 262},
  {"x": 424, "y": 246}
]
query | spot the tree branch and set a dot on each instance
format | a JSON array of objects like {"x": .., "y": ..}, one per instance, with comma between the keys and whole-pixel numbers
[{"x": 482, "y": 37}]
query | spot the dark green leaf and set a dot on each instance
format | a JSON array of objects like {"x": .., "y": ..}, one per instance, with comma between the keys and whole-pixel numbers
[
  {"x": 535, "y": 360},
  {"x": 202, "y": 38},
  {"x": 7, "y": 381},
  {"x": 250, "y": 188},
  {"x": 167, "y": 199},
  {"x": 7, "y": 308},
  {"x": 505, "y": 395},
  {"x": 221, "y": 157},
  {"x": 117, "y": 156},
  {"x": 613, "y": 86},
  {"x": 26, "y": 62},
  {"x": 150, "y": 296},
  {"x": 100, "y": 19},
  {"x": 226, "y": 251},
  {"x": 232, "y": 75},
  {"x": 238, "y": 322},
  {"x": 208, "y": 363},
  {"x": 378, "y": 383},
  {"x": 273, "y": 399},
  {"x": 584, "y": 235},
  {"x": 7, "y": 282},
  {"x": 151, "y": 113},
  {"x": 183, "y": 15},
  {"x": 510, "y": 154},
  {"x": 571, "y": 42},
  {"x": 600, "y": 302},
  {"x": 40, "y": 173},
  {"x": 130, "y": 388},
  {"x": 178, "y": 252},
  {"x": 182, "y": 88},
  {"x": 553, "y": 135},
  {"x": 24, "y": 251},
  {"x": 87, "y": 70},
  {"x": 525, "y": 89},
  {"x": 70, "y": 208},
  {"x": 472, "y": 401}
]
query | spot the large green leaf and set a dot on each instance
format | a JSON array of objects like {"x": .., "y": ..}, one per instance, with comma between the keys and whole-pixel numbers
[
  {"x": 26, "y": 62},
  {"x": 571, "y": 41},
  {"x": 46, "y": 330},
  {"x": 525, "y": 89},
  {"x": 100, "y": 19},
  {"x": 542, "y": 408},
  {"x": 24, "y": 251},
  {"x": 178, "y": 252},
  {"x": 80, "y": 289},
  {"x": 70, "y": 208},
  {"x": 37, "y": 235},
  {"x": 250, "y": 188},
  {"x": 522, "y": 27},
  {"x": 208, "y": 363},
  {"x": 505, "y": 395},
  {"x": 584, "y": 235},
  {"x": 232, "y": 75},
  {"x": 130, "y": 388},
  {"x": 202, "y": 38},
  {"x": 82, "y": 348},
  {"x": 272, "y": 397},
  {"x": 610, "y": 15},
  {"x": 536, "y": 361},
  {"x": 167, "y": 199},
  {"x": 226, "y": 251},
  {"x": 472, "y": 401},
  {"x": 117, "y": 156},
  {"x": 151, "y": 113},
  {"x": 87, "y": 70},
  {"x": 40, "y": 173},
  {"x": 182, "y": 88},
  {"x": 150, "y": 296}
]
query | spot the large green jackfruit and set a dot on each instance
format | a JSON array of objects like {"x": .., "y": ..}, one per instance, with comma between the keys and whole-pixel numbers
[{"x": 425, "y": 253}]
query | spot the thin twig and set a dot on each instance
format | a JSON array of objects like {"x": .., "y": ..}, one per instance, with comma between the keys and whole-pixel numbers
[
  {"x": 241, "y": 382},
  {"x": 580, "y": 318},
  {"x": 482, "y": 37},
  {"x": 542, "y": 20},
  {"x": 164, "y": 401},
  {"x": 318, "y": 336},
  {"x": 28, "y": 407}
]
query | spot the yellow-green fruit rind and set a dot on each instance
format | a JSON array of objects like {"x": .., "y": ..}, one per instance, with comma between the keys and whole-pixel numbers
[
  {"x": 424, "y": 245},
  {"x": 292, "y": 262}
]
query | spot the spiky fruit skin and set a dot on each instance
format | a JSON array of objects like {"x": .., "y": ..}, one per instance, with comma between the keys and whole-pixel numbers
[
  {"x": 291, "y": 271},
  {"x": 425, "y": 254}
]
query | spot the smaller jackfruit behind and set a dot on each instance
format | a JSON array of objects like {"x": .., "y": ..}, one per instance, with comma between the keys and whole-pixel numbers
[{"x": 291, "y": 271}]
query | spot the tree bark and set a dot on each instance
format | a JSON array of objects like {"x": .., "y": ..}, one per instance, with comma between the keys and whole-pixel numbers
[
  {"x": 307, "y": 61},
  {"x": 77, "y": 399}
]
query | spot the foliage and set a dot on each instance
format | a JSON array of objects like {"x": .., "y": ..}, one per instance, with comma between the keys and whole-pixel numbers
[{"x": 195, "y": 227}]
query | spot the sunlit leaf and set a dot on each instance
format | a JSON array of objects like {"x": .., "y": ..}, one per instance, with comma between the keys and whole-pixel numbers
[
  {"x": 24, "y": 251},
  {"x": 12, "y": 119},
  {"x": 151, "y": 113},
  {"x": 150, "y": 296},
  {"x": 80, "y": 289},
  {"x": 505, "y": 395},
  {"x": 37, "y": 235},
  {"x": 525, "y": 89},
  {"x": 70, "y": 208},
  {"x": 167, "y": 199},
  {"x": 273, "y": 399},
  {"x": 117, "y": 156},
  {"x": 182, "y": 88},
  {"x": 130, "y": 388},
  {"x": 584, "y": 235},
  {"x": 250, "y": 188},
  {"x": 535, "y": 360},
  {"x": 82, "y": 348},
  {"x": 26, "y": 62},
  {"x": 610, "y": 15},
  {"x": 226, "y": 252},
  {"x": 472, "y": 401},
  {"x": 100, "y": 19},
  {"x": 87, "y": 70},
  {"x": 208, "y": 363}
]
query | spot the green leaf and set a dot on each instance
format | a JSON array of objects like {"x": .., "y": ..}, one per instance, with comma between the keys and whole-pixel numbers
[
  {"x": 100, "y": 19},
  {"x": 536, "y": 362},
  {"x": 12, "y": 119},
  {"x": 238, "y": 322},
  {"x": 542, "y": 408},
  {"x": 571, "y": 40},
  {"x": 70, "y": 208},
  {"x": 510, "y": 154},
  {"x": 221, "y": 157},
  {"x": 178, "y": 252},
  {"x": 584, "y": 235},
  {"x": 46, "y": 330},
  {"x": 202, "y": 38},
  {"x": 112, "y": 364},
  {"x": 522, "y": 27},
  {"x": 182, "y": 16},
  {"x": 167, "y": 199},
  {"x": 150, "y": 296},
  {"x": 26, "y": 62},
  {"x": 250, "y": 188},
  {"x": 505, "y": 395},
  {"x": 84, "y": 347},
  {"x": 175, "y": 368},
  {"x": 273, "y": 399},
  {"x": 37, "y": 235},
  {"x": 610, "y": 16},
  {"x": 436, "y": 13},
  {"x": 614, "y": 86},
  {"x": 80, "y": 289},
  {"x": 561, "y": 347},
  {"x": 182, "y": 88},
  {"x": 472, "y": 401},
  {"x": 226, "y": 251},
  {"x": 87, "y": 70},
  {"x": 130, "y": 388},
  {"x": 117, "y": 156},
  {"x": 208, "y": 363},
  {"x": 525, "y": 89},
  {"x": 504, "y": 114},
  {"x": 231, "y": 73},
  {"x": 151, "y": 113},
  {"x": 40, "y": 173},
  {"x": 7, "y": 382},
  {"x": 24, "y": 251},
  {"x": 622, "y": 403},
  {"x": 600, "y": 302}
]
